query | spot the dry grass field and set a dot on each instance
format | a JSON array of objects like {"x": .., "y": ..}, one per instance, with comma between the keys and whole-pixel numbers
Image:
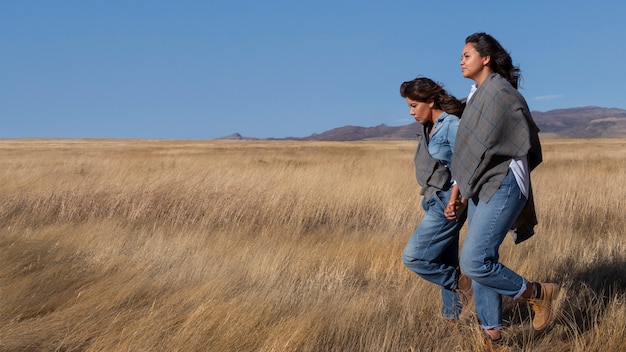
[{"x": 141, "y": 245}]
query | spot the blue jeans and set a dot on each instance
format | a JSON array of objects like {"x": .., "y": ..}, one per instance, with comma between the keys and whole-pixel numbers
[
  {"x": 488, "y": 225},
  {"x": 433, "y": 251}
]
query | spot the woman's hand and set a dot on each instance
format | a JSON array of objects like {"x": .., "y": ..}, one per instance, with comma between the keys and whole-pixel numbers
[
  {"x": 450, "y": 211},
  {"x": 454, "y": 208}
]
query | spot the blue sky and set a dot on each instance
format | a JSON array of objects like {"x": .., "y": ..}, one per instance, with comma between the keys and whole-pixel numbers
[{"x": 281, "y": 68}]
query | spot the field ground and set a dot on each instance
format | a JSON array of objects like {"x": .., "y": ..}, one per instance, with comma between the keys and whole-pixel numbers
[{"x": 151, "y": 245}]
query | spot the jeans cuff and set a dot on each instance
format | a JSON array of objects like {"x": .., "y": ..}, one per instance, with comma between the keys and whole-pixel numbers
[
  {"x": 521, "y": 291},
  {"x": 489, "y": 327}
]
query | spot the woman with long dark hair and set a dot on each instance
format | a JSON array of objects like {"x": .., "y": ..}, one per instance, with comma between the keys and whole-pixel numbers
[
  {"x": 497, "y": 147},
  {"x": 433, "y": 249}
]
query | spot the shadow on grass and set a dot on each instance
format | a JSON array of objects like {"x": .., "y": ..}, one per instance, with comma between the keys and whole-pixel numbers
[{"x": 586, "y": 294}]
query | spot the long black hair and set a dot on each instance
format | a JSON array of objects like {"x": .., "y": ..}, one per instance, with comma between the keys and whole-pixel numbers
[{"x": 501, "y": 61}]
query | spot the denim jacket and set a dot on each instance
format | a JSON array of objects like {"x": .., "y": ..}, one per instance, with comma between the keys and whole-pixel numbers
[{"x": 441, "y": 143}]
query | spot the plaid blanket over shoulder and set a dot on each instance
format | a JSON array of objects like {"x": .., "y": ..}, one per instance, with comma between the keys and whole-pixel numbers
[{"x": 496, "y": 127}]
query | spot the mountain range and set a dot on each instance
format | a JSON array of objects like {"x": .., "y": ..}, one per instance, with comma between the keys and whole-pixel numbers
[{"x": 581, "y": 122}]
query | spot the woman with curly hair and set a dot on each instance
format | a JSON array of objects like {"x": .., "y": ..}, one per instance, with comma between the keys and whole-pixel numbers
[{"x": 432, "y": 251}]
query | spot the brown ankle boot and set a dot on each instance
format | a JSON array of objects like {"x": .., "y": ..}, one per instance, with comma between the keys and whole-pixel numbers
[{"x": 543, "y": 305}]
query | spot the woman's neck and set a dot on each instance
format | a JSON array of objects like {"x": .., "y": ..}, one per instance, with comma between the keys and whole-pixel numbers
[
  {"x": 435, "y": 115},
  {"x": 482, "y": 76}
]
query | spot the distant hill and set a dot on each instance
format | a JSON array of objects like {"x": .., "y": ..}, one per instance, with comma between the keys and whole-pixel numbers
[
  {"x": 235, "y": 136},
  {"x": 356, "y": 133},
  {"x": 582, "y": 122}
]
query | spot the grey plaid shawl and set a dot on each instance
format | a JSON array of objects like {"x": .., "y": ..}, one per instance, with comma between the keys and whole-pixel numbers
[{"x": 496, "y": 127}]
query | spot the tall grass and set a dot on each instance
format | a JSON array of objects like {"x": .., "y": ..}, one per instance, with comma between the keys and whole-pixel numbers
[{"x": 140, "y": 245}]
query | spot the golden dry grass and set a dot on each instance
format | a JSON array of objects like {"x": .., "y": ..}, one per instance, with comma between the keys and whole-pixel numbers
[{"x": 139, "y": 245}]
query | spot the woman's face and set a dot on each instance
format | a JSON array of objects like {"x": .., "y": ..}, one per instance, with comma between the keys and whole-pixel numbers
[
  {"x": 472, "y": 64},
  {"x": 420, "y": 111}
]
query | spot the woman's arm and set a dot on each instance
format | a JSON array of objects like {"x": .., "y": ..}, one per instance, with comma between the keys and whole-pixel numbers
[{"x": 456, "y": 204}]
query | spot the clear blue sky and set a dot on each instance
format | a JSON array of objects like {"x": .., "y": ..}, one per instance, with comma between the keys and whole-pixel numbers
[{"x": 184, "y": 69}]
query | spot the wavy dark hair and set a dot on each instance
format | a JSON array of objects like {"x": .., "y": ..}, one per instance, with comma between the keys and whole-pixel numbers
[
  {"x": 426, "y": 90},
  {"x": 501, "y": 61}
]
